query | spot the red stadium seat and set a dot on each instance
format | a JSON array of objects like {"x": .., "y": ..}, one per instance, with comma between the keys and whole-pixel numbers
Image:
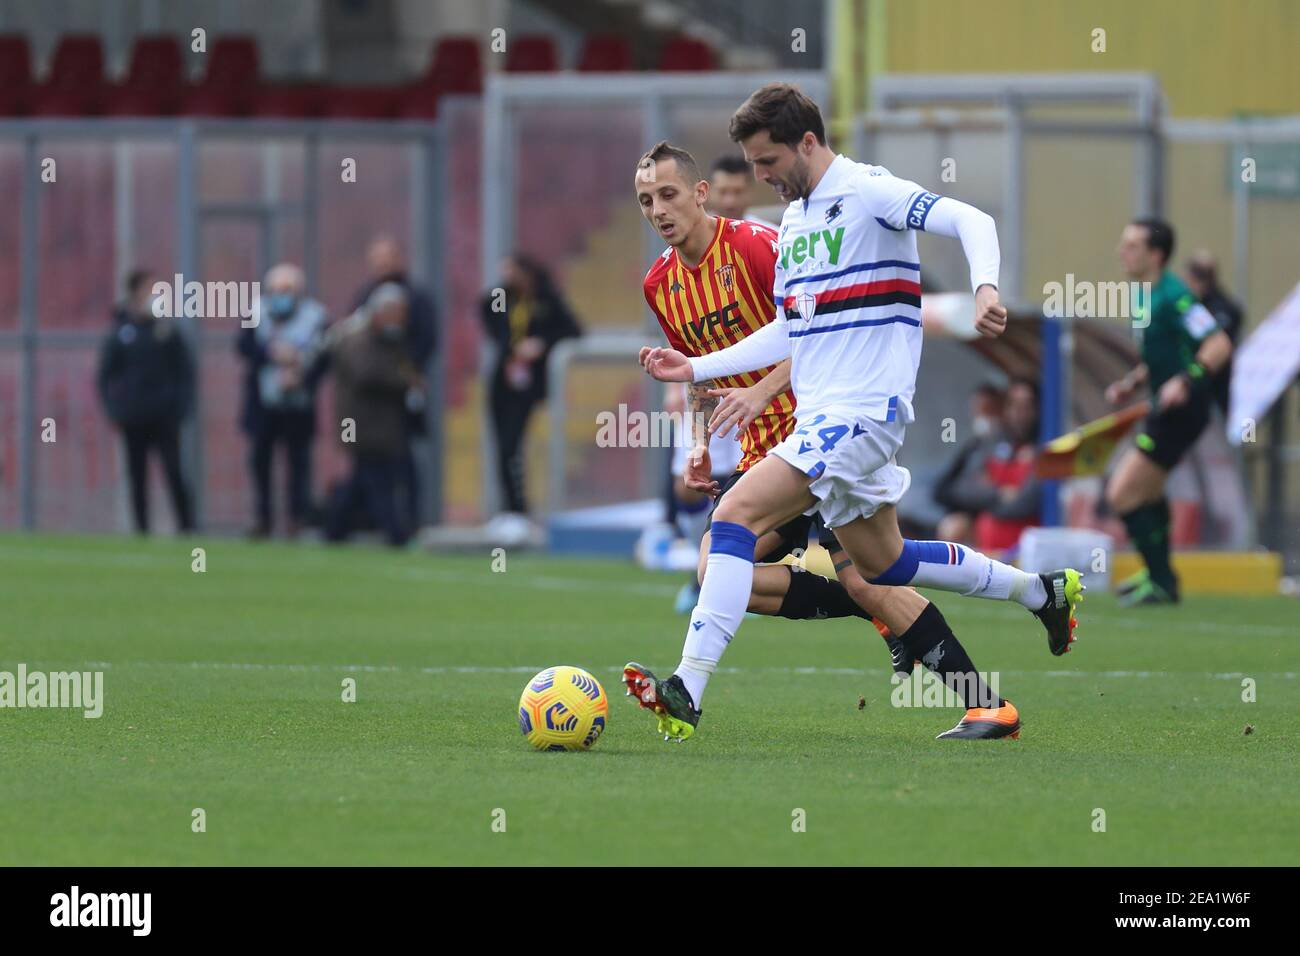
[
  {"x": 605, "y": 53},
  {"x": 361, "y": 102},
  {"x": 303, "y": 101},
  {"x": 419, "y": 101},
  {"x": 75, "y": 86},
  {"x": 230, "y": 84},
  {"x": 16, "y": 87},
  {"x": 155, "y": 82},
  {"x": 532, "y": 54},
  {"x": 686, "y": 53},
  {"x": 456, "y": 67}
]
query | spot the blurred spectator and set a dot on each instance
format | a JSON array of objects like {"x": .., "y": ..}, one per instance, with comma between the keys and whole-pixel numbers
[
  {"x": 387, "y": 264},
  {"x": 146, "y": 381},
  {"x": 731, "y": 192},
  {"x": 985, "y": 422},
  {"x": 1203, "y": 279},
  {"x": 987, "y": 404},
  {"x": 525, "y": 319},
  {"x": 372, "y": 374},
  {"x": 280, "y": 390},
  {"x": 731, "y": 186},
  {"x": 990, "y": 490}
]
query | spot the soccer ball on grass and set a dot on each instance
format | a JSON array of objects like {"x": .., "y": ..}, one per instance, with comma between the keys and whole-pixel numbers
[{"x": 563, "y": 708}]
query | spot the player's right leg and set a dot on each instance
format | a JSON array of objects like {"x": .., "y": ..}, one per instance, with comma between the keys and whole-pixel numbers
[
  {"x": 1053, "y": 597},
  {"x": 782, "y": 590},
  {"x": 930, "y": 640},
  {"x": 766, "y": 496}
]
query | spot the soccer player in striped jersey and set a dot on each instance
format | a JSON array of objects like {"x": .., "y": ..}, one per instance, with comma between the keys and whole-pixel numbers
[
  {"x": 710, "y": 289},
  {"x": 846, "y": 285}
]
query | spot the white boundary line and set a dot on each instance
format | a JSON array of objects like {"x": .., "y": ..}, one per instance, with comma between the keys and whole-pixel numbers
[{"x": 1139, "y": 620}]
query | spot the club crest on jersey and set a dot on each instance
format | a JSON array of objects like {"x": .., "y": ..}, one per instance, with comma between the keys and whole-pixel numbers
[
  {"x": 806, "y": 303},
  {"x": 837, "y": 207},
  {"x": 675, "y": 287},
  {"x": 725, "y": 274}
]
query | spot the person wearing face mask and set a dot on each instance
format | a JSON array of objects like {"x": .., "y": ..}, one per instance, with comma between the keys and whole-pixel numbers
[
  {"x": 146, "y": 381},
  {"x": 966, "y": 470},
  {"x": 280, "y": 350},
  {"x": 373, "y": 374}
]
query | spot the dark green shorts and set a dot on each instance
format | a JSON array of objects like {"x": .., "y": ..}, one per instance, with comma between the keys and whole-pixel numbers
[{"x": 1167, "y": 436}]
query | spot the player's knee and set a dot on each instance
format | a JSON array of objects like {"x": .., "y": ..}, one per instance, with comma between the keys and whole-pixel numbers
[
  {"x": 869, "y": 570},
  {"x": 735, "y": 511}
]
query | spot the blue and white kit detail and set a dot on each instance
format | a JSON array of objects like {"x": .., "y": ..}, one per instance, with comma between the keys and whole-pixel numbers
[{"x": 848, "y": 315}]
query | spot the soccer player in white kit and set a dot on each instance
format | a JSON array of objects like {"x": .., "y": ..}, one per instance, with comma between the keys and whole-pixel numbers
[{"x": 848, "y": 316}]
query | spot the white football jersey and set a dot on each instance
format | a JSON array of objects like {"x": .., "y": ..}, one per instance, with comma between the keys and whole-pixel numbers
[{"x": 848, "y": 279}]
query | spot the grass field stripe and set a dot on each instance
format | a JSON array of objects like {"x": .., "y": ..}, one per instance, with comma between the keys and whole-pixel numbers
[
  {"x": 533, "y": 669},
  {"x": 551, "y": 582}
]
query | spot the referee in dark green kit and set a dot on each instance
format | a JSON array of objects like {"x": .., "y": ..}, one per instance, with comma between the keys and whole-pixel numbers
[{"x": 1182, "y": 349}]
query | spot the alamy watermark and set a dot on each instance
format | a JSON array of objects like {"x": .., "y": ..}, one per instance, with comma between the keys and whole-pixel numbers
[
  {"x": 129, "y": 910},
  {"x": 83, "y": 690},
  {"x": 1084, "y": 299},
  {"x": 638, "y": 429},
  {"x": 925, "y": 688},
  {"x": 207, "y": 300}
]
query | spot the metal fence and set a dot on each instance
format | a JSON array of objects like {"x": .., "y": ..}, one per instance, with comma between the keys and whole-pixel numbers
[
  {"x": 1063, "y": 162},
  {"x": 210, "y": 200},
  {"x": 559, "y": 153}
]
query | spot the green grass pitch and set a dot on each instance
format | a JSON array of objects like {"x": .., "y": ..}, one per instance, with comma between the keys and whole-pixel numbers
[{"x": 223, "y": 692}]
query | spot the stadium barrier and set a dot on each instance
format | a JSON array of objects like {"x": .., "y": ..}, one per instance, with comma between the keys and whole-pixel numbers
[
  {"x": 211, "y": 200},
  {"x": 1007, "y": 142}
]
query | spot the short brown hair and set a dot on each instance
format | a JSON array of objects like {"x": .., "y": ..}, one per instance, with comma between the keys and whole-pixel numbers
[
  {"x": 663, "y": 149},
  {"x": 785, "y": 111}
]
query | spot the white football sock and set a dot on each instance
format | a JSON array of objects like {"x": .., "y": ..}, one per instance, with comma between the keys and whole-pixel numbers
[
  {"x": 955, "y": 567},
  {"x": 724, "y": 596}
]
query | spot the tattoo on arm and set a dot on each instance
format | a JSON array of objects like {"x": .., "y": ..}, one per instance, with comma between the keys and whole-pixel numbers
[{"x": 700, "y": 406}]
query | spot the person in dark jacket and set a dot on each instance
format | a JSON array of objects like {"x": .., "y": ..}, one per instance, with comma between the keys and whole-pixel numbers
[
  {"x": 1203, "y": 279},
  {"x": 280, "y": 350},
  {"x": 525, "y": 318},
  {"x": 372, "y": 375},
  {"x": 992, "y": 483},
  {"x": 146, "y": 381},
  {"x": 387, "y": 264}
]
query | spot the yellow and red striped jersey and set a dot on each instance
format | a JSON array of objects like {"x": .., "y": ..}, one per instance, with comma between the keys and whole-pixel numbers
[{"x": 718, "y": 303}]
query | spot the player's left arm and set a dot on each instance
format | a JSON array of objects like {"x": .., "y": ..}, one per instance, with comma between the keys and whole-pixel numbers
[
  {"x": 740, "y": 406},
  {"x": 978, "y": 234},
  {"x": 903, "y": 204},
  {"x": 1213, "y": 350}
]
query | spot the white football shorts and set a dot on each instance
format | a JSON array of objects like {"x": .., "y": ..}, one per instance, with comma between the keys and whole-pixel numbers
[{"x": 851, "y": 461}]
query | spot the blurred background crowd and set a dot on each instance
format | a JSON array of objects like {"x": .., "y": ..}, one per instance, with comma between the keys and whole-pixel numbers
[{"x": 436, "y": 201}]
